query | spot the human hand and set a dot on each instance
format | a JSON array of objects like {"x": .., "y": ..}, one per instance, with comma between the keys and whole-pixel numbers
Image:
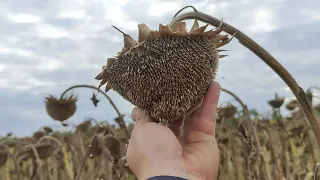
[{"x": 186, "y": 149}]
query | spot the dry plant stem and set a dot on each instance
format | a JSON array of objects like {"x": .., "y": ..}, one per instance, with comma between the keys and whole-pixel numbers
[
  {"x": 79, "y": 144},
  {"x": 106, "y": 161},
  {"x": 84, "y": 160},
  {"x": 121, "y": 124},
  {"x": 267, "y": 58},
  {"x": 316, "y": 171},
  {"x": 38, "y": 162},
  {"x": 248, "y": 121},
  {"x": 16, "y": 166},
  {"x": 285, "y": 162},
  {"x": 236, "y": 163},
  {"x": 276, "y": 167},
  {"x": 247, "y": 118}
]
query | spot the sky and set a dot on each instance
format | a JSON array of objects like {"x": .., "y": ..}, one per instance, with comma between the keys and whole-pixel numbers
[{"x": 48, "y": 46}]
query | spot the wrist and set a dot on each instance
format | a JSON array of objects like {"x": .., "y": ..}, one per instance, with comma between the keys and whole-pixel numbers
[{"x": 174, "y": 168}]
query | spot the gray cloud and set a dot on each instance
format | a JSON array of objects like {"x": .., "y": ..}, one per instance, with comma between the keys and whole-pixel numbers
[{"x": 48, "y": 46}]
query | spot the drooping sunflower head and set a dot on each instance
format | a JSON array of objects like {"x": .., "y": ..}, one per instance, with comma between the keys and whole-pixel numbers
[
  {"x": 166, "y": 72},
  {"x": 276, "y": 102},
  {"x": 61, "y": 109}
]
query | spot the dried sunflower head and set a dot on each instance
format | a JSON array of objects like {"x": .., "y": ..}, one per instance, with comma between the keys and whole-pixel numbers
[
  {"x": 48, "y": 130},
  {"x": 45, "y": 150},
  {"x": 83, "y": 127},
  {"x": 228, "y": 112},
  {"x": 61, "y": 109},
  {"x": 292, "y": 105},
  {"x": 114, "y": 146},
  {"x": 166, "y": 72},
  {"x": 39, "y": 134},
  {"x": 276, "y": 102}
]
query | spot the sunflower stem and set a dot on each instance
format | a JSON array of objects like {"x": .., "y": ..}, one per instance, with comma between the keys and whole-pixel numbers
[
  {"x": 248, "y": 122},
  {"x": 121, "y": 122},
  {"x": 314, "y": 123},
  {"x": 16, "y": 165}
]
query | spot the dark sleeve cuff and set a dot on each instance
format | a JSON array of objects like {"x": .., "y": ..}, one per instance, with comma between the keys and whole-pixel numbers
[{"x": 166, "y": 178}]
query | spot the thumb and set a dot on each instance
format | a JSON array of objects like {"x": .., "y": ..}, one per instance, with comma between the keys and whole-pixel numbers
[
  {"x": 207, "y": 118},
  {"x": 139, "y": 116}
]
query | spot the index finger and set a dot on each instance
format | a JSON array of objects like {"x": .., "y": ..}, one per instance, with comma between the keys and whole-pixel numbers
[{"x": 207, "y": 118}]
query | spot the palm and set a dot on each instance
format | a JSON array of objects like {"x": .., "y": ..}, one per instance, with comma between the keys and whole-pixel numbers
[
  {"x": 197, "y": 137},
  {"x": 199, "y": 146}
]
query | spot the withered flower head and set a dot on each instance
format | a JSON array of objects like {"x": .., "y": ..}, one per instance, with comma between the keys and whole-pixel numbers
[
  {"x": 166, "y": 72},
  {"x": 276, "y": 102},
  {"x": 83, "y": 127},
  {"x": 48, "y": 130},
  {"x": 94, "y": 147},
  {"x": 104, "y": 129},
  {"x": 228, "y": 111},
  {"x": 61, "y": 109},
  {"x": 114, "y": 146},
  {"x": 38, "y": 134},
  {"x": 292, "y": 105},
  {"x": 45, "y": 150},
  {"x": 3, "y": 158}
]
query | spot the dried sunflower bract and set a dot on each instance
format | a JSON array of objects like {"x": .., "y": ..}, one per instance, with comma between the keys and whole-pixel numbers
[{"x": 166, "y": 72}]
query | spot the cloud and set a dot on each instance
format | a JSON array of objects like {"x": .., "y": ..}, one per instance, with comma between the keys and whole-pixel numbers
[{"x": 48, "y": 46}]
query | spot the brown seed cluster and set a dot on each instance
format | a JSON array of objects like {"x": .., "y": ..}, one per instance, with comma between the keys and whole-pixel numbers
[{"x": 166, "y": 72}]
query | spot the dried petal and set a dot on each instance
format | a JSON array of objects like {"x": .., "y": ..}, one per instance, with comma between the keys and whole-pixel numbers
[
  {"x": 219, "y": 44},
  {"x": 110, "y": 61},
  {"x": 154, "y": 35},
  {"x": 108, "y": 87},
  {"x": 99, "y": 76},
  {"x": 199, "y": 30},
  {"x": 195, "y": 25},
  {"x": 144, "y": 32},
  {"x": 221, "y": 38},
  {"x": 222, "y": 56},
  {"x": 180, "y": 26},
  {"x": 165, "y": 30},
  {"x": 127, "y": 39}
]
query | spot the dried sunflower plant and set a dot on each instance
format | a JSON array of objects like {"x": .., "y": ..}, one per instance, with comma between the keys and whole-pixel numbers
[{"x": 167, "y": 72}]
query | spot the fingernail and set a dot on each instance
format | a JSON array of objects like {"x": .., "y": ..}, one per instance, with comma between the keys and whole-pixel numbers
[
  {"x": 134, "y": 113},
  {"x": 217, "y": 88}
]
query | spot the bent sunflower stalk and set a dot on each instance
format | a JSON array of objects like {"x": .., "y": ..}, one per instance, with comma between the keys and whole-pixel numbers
[{"x": 263, "y": 55}]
